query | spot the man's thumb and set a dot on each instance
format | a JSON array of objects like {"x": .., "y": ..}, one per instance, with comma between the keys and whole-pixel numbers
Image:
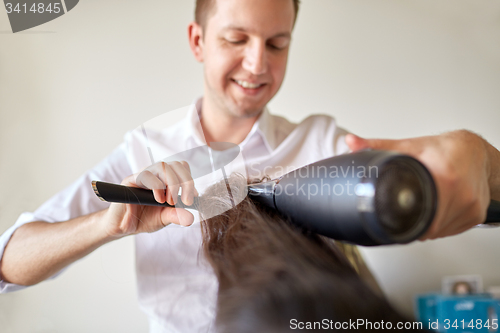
[{"x": 356, "y": 143}]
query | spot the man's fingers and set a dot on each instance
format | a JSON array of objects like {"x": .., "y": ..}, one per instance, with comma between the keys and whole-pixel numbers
[
  {"x": 178, "y": 216},
  {"x": 130, "y": 181},
  {"x": 356, "y": 143},
  {"x": 170, "y": 178},
  {"x": 165, "y": 179},
  {"x": 186, "y": 165},
  {"x": 187, "y": 182},
  {"x": 149, "y": 180}
]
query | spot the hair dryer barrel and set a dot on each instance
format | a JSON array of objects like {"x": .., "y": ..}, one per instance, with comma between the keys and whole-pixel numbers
[{"x": 368, "y": 197}]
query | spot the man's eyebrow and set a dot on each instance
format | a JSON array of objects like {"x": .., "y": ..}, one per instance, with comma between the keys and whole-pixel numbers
[{"x": 238, "y": 28}]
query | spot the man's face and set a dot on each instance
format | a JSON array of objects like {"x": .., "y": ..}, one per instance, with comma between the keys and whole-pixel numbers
[{"x": 245, "y": 52}]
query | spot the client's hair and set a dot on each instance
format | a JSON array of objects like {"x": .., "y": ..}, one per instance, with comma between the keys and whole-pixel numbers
[{"x": 271, "y": 273}]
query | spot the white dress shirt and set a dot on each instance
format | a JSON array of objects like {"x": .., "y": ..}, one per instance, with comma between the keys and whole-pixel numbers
[{"x": 177, "y": 288}]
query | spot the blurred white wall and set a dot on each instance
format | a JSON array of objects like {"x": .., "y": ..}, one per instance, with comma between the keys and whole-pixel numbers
[{"x": 70, "y": 89}]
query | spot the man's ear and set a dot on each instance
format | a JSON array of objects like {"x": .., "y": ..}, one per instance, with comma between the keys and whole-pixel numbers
[{"x": 195, "y": 34}]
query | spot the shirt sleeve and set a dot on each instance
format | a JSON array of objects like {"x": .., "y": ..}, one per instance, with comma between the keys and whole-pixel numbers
[
  {"x": 76, "y": 200},
  {"x": 331, "y": 137}
]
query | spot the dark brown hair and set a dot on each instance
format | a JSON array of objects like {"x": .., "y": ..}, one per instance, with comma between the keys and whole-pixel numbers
[
  {"x": 205, "y": 8},
  {"x": 271, "y": 272}
]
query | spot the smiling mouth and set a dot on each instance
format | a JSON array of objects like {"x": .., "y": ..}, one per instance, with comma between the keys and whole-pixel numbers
[{"x": 247, "y": 85}]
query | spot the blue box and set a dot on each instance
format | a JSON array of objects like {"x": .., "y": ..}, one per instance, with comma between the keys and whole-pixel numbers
[{"x": 450, "y": 313}]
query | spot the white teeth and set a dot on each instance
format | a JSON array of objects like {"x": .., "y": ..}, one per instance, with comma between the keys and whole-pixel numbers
[{"x": 247, "y": 85}]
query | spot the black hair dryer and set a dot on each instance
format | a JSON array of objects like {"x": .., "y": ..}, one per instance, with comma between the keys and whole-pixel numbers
[{"x": 370, "y": 197}]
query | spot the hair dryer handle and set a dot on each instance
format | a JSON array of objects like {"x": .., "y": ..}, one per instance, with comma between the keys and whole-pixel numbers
[{"x": 493, "y": 214}]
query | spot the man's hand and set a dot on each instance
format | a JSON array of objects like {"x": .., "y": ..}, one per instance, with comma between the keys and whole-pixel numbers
[
  {"x": 461, "y": 164},
  {"x": 38, "y": 250},
  {"x": 164, "y": 179}
]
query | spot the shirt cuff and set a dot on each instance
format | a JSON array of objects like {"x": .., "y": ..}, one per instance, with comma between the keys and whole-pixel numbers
[{"x": 24, "y": 218}]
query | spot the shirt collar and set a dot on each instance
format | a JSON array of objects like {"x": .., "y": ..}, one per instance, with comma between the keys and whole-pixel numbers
[
  {"x": 264, "y": 127},
  {"x": 193, "y": 133}
]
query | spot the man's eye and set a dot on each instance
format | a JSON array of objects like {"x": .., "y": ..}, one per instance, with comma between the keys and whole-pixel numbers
[
  {"x": 275, "y": 47},
  {"x": 278, "y": 44},
  {"x": 236, "y": 42}
]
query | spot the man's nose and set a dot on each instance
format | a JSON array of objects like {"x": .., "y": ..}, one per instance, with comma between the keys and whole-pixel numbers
[{"x": 255, "y": 58}]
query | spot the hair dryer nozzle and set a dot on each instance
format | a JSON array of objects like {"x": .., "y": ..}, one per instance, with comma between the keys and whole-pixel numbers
[{"x": 263, "y": 193}]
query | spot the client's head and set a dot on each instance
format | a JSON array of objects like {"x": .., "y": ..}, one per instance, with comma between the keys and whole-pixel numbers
[{"x": 273, "y": 276}]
